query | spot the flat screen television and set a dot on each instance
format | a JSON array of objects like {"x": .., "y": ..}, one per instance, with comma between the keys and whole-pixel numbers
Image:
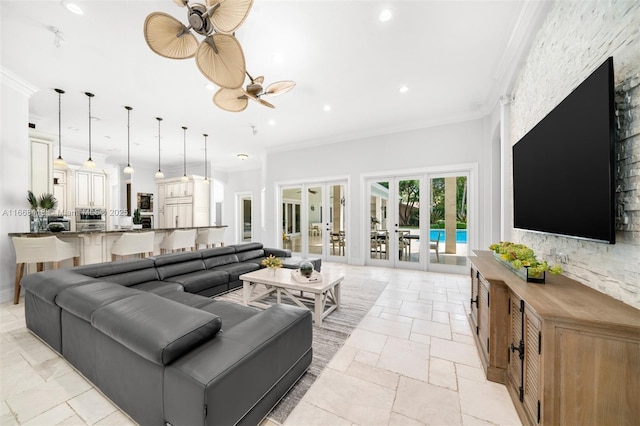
[{"x": 563, "y": 168}]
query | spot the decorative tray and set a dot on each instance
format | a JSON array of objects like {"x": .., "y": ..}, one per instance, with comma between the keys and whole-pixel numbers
[{"x": 315, "y": 277}]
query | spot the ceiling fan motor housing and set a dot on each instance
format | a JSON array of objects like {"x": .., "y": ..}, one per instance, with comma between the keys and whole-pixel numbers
[{"x": 199, "y": 19}]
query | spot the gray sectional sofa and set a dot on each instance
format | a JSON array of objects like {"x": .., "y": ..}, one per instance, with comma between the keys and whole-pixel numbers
[{"x": 146, "y": 334}]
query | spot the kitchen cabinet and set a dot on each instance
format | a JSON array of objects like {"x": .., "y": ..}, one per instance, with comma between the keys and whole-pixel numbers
[
  {"x": 90, "y": 190},
  {"x": 183, "y": 204},
  {"x": 60, "y": 191},
  {"x": 572, "y": 353},
  {"x": 41, "y": 167}
]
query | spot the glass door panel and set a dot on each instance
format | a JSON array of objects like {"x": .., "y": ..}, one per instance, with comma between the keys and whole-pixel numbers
[
  {"x": 335, "y": 239},
  {"x": 379, "y": 220},
  {"x": 291, "y": 205},
  {"x": 448, "y": 239},
  {"x": 408, "y": 220},
  {"x": 314, "y": 220}
]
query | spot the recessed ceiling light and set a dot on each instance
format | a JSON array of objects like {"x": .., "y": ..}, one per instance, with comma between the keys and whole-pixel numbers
[
  {"x": 403, "y": 89},
  {"x": 327, "y": 108},
  {"x": 277, "y": 58},
  {"x": 242, "y": 156},
  {"x": 272, "y": 122},
  {"x": 385, "y": 15},
  {"x": 72, "y": 7},
  {"x": 210, "y": 86}
]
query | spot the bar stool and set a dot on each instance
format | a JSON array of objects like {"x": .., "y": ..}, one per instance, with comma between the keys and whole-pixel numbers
[
  {"x": 179, "y": 240},
  {"x": 133, "y": 243},
  {"x": 210, "y": 237},
  {"x": 39, "y": 250}
]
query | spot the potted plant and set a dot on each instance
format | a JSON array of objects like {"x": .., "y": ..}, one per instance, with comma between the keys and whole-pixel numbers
[
  {"x": 39, "y": 208},
  {"x": 272, "y": 263},
  {"x": 137, "y": 219},
  {"x": 519, "y": 256}
]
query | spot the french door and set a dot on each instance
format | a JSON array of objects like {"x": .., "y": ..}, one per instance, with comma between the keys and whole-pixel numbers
[
  {"x": 395, "y": 234},
  {"x": 419, "y": 221},
  {"x": 314, "y": 220}
]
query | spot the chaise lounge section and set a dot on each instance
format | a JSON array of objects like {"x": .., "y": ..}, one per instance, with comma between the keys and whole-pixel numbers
[{"x": 144, "y": 332}]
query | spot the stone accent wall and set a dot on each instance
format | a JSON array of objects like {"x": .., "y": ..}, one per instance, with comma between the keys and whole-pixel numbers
[{"x": 576, "y": 37}]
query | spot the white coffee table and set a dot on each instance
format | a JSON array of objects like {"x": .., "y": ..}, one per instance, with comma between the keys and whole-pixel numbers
[{"x": 325, "y": 294}]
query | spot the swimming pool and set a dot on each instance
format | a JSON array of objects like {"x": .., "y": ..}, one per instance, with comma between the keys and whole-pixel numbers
[{"x": 461, "y": 235}]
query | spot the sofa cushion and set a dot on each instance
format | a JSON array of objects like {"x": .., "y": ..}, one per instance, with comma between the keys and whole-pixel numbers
[
  {"x": 239, "y": 248},
  {"x": 83, "y": 301},
  {"x": 216, "y": 251},
  {"x": 225, "y": 259},
  {"x": 236, "y": 269},
  {"x": 126, "y": 272},
  {"x": 195, "y": 282},
  {"x": 154, "y": 327},
  {"x": 173, "y": 264},
  {"x": 190, "y": 299},
  {"x": 160, "y": 287},
  {"x": 250, "y": 255},
  {"x": 48, "y": 284},
  {"x": 233, "y": 313}
]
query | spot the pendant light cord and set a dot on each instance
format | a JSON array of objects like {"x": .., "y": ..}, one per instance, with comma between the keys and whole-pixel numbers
[
  {"x": 185, "y": 150},
  {"x": 205, "y": 156},
  {"x": 89, "y": 95},
  {"x": 60, "y": 92},
  {"x": 159, "y": 120},
  {"x": 128, "y": 108}
]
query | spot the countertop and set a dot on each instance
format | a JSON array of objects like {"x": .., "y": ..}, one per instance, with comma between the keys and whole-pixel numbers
[{"x": 114, "y": 231}]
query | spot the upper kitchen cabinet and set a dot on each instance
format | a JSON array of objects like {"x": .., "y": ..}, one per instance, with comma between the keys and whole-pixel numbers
[
  {"x": 41, "y": 172},
  {"x": 90, "y": 190}
]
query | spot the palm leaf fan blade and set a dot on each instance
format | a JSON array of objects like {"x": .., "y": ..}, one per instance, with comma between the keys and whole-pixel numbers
[
  {"x": 233, "y": 100},
  {"x": 279, "y": 87},
  {"x": 168, "y": 37},
  {"x": 228, "y": 17},
  {"x": 226, "y": 68}
]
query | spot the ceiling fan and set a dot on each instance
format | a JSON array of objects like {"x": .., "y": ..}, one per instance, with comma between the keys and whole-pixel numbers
[
  {"x": 236, "y": 100},
  {"x": 219, "y": 56}
]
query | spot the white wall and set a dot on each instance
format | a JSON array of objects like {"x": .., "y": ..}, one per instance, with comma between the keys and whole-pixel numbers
[
  {"x": 576, "y": 38},
  {"x": 459, "y": 143},
  {"x": 14, "y": 172}
]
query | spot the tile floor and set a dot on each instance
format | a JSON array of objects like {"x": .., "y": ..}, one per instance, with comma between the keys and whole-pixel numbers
[{"x": 411, "y": 361}]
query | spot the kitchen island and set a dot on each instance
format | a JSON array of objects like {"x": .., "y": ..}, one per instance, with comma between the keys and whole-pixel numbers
[{"x": 95, "y": 246}]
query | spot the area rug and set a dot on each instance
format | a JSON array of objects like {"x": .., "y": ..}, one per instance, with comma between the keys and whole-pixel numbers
[{"x": 358, "y": 296}]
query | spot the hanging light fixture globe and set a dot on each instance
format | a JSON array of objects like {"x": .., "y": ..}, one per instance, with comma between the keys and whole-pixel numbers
[
  {"x": 159, "y": 174},
  {"x": 128, "y": 170},
  {"x": 89, "y": 164},
  {"x": 59, "y": 162}
]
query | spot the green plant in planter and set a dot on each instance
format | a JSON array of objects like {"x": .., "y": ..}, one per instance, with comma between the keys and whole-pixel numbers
[
  {"x": 519, "y": 255},
  {"x": 40, "y": 206},
  {"x": 137, "y": 218}
]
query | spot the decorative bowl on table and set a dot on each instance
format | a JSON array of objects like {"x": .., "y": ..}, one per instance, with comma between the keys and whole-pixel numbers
[{"x": 306, "y": 269}]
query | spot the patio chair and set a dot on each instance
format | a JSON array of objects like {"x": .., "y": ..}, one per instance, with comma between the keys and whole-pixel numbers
[{"x": 434, "y": 245}]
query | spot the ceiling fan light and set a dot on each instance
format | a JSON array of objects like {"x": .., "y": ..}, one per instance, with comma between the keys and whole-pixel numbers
[{"x": 242, "y": 156}]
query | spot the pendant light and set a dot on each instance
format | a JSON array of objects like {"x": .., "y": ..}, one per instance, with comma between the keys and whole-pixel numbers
[
  {"x": 128, "y": 170},
  {"x": 184, "y": 177},
  {"x": 159, "y": 174},
  {"x": 59, "y": 162},
  {"x": 206, "y": 176},
  {"x": 89, "y": 164}
]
